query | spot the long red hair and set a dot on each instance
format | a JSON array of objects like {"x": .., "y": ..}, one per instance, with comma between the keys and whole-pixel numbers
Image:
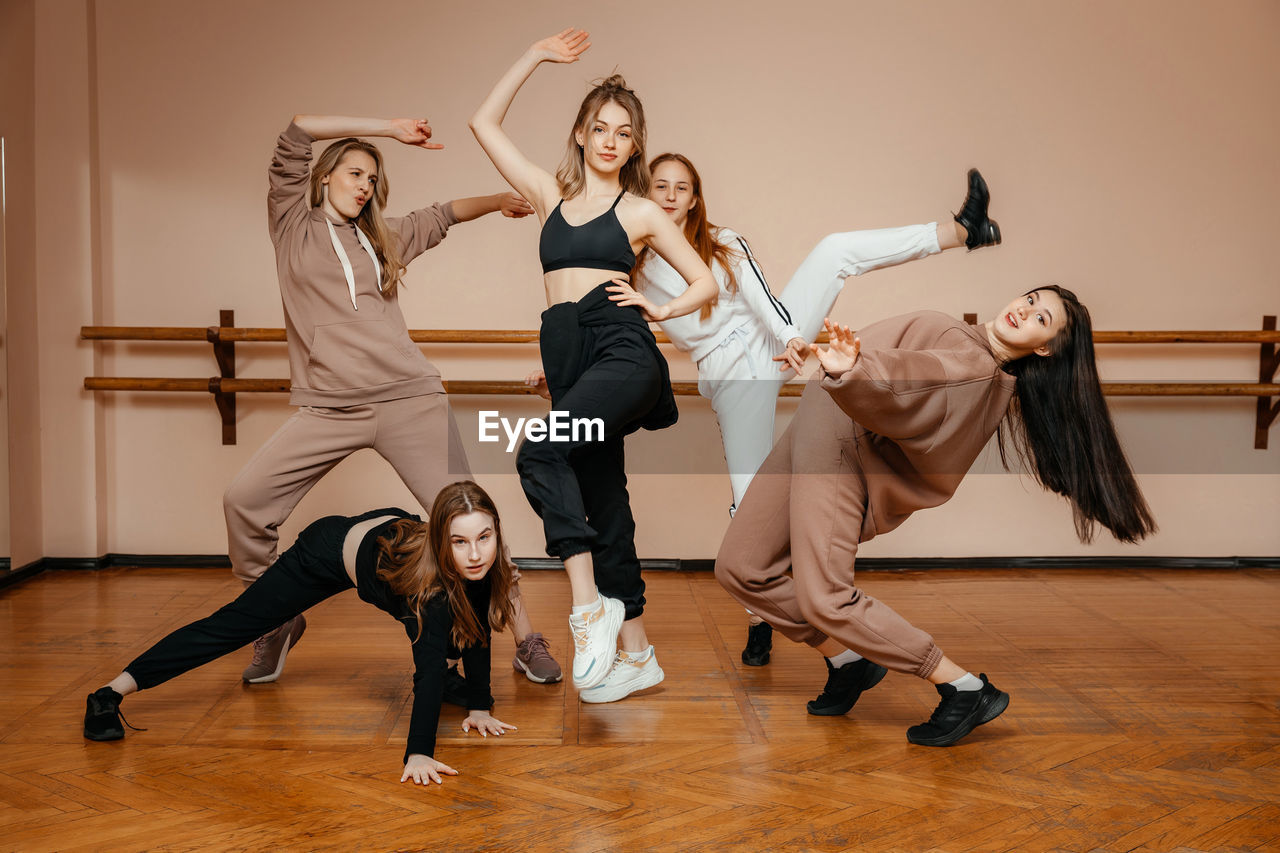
[
  {"x": 697, "y": 230},
  {"x": 416, "y": 561}
]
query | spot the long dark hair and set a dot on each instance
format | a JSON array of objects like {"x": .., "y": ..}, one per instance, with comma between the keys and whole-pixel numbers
[
  {"x": 1061, "y": 428},
  {"x": 697, "y": 230},
  {"x": 416, "y": 561}
]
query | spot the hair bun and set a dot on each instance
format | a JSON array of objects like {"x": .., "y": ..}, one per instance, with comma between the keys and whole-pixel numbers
[{"x": 614, "y": 82}]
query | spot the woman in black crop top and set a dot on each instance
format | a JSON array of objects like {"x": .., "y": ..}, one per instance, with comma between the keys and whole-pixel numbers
[
  {"x": 599, "y": 357},
  {"x": 390, "y": 557}
]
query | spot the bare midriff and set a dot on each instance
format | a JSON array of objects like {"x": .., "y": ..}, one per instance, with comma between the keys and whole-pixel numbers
[
  {"x": 355, "y": 536},
  {"x": 570, "y": 285}
]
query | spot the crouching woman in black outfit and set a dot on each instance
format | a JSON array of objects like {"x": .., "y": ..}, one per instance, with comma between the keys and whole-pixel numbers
[{"x": 446, "y": 580}]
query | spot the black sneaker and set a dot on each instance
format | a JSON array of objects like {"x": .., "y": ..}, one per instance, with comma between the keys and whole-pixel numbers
[
  {"x": 844, "y": 686},
  {"x": 102, "y": 715},
  {"x": 973, "y": 214},
  {"x": 455, "y": 687},
  {"x": 959, "y": 712},
  {"x": 759, "y": 644}
]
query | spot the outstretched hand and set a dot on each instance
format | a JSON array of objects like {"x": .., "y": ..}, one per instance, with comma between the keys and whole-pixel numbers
[
  {"x": 565, "y": 46},
  {"x": 413, "y": 131},
  {"x": 793, "y": 357},
  {"x": 842, "y": 353},
  {"x": 624, "y": 294}
]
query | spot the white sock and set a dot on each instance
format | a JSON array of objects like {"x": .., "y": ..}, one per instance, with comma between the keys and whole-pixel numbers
[
  {"x": 579, "y": 609},
  {"x": 846, "y": 656},
  {"x": 968, "y": 681},
  {"x": 639, "y": 656}
]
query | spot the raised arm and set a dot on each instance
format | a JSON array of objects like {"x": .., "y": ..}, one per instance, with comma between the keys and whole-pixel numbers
[
  {"x": 410, "y": 131},
  {"x": 662, "y": 235},
  {"x": 290, "y": 173},
  {"x": 535, "y": 184}
]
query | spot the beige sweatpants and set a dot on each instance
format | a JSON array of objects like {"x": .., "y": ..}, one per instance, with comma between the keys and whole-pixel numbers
[
  {"x": 417, "y": 435},
  {"x": 789, "y": 552}
]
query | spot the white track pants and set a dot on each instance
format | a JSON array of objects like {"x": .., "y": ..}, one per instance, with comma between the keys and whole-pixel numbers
[{"x": 740, "y": 377}]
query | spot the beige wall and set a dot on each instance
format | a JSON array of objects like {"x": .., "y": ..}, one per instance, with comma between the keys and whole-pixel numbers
[
  {"x": 1130, "y": 148},
  {"x": 17, "y": 29}
]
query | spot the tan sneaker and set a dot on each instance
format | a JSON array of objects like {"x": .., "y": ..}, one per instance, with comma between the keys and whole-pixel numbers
[{"x": 270, "y": 650}]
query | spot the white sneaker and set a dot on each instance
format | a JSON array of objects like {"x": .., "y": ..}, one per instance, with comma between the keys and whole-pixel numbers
[
  {"x": 627, "y": 675},
  {"x": 595, "y": 641}
]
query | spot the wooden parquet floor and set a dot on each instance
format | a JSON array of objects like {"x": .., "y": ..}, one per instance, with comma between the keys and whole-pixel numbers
[{"x": 1145, "y": 716}]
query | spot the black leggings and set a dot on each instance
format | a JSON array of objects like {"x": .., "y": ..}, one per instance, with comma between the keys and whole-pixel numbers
[
  {"x": 601, "y": 362},
  {"x": 303, "y": 576}
]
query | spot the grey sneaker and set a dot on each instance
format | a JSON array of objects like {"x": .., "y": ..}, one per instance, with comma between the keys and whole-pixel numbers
[
  {"x": 270, "y": 650},
  {"x": 534, "y": 659}
]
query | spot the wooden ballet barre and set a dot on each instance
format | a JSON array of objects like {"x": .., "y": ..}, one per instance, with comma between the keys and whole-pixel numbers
[
  {"x": 1188, "y": 337},
  {"x": 221, "y": 385},
  {"x": 217, "y": 384},
  {"x": 226, "y": 334},
  {"x": 223, "y": 334},
  {"x": 231, "y": 334}
]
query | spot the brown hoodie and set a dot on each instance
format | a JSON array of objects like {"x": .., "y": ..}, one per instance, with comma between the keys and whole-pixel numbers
[
  {"x": 925, "y": 396},
  {"x": 338, "y": 355}
]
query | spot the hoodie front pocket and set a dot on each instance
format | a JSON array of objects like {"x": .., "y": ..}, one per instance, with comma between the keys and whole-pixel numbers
[{"x": 360, "y": 354}]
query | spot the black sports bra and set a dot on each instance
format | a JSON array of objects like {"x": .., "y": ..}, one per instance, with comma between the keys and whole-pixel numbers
[{"x": 599, "y": 243}]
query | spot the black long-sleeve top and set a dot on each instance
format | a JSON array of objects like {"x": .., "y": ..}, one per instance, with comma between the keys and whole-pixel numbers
[{"x": 429, "y": 650}]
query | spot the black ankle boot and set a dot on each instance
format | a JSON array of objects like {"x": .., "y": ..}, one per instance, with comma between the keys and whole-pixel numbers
[
  {"x": 959, "y": 712},
  {"x": 973, "y": 214},
  {"x": 102, "y": 715},
  {"x": 844, "y": 686},
  {"x": 759, "y": 644}
]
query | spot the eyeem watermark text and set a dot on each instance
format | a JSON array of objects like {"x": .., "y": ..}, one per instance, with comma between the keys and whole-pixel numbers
[{"x": 558, "y": 426}]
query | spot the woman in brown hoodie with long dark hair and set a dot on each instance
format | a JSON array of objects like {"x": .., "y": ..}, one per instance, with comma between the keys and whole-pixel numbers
[{"x": 890, "y": 425}]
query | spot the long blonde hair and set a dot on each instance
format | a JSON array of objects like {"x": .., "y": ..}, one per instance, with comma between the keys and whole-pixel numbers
[
  {"x": 370, "y": 220},
  {"x": 697, "y": 230},
  {"x": 634, "y": 177},
  {"x": 416, "y": 561}
]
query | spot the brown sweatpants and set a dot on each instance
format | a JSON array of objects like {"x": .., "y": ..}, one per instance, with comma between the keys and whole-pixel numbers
[
  {"x": 417, "y": 435},
  {"x": 789, "y": 552}
]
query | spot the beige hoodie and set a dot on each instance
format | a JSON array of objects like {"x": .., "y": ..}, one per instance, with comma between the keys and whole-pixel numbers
[
  {"x": 925, "y": 396},
  {"x": 342, "y": 354}
]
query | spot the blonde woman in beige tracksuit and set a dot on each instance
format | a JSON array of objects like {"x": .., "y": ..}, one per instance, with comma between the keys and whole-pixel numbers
[{"x": 358, "y": 379}]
